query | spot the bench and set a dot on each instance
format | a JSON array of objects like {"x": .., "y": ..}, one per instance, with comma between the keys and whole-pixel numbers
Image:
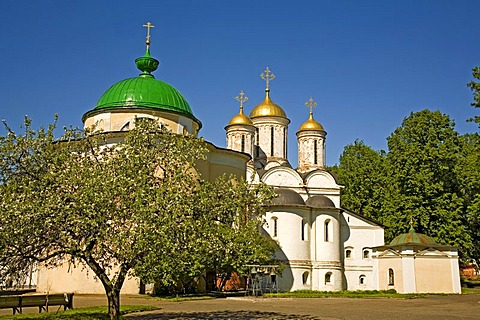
[{"x": 42, "y": 301}]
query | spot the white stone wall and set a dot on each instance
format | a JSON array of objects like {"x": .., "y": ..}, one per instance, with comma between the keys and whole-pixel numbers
[
  {"x": 308, "y": 159},
  {"x": 234, "y": 138},
  {"x": 264, "y": 127}
]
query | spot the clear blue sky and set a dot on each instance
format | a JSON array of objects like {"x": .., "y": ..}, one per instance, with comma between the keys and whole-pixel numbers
[{"x": 367, "y": 63}]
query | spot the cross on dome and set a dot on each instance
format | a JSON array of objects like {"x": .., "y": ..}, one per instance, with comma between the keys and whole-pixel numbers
[
  {"x": 148, "y": 26},
  {"x": 241, "y": 98},
  {"x": 267, "y": 75},
  {"x": 311, "y": 104}
]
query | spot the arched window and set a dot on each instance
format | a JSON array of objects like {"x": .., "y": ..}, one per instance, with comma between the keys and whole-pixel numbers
[
  {"x": 361, "y": 280},
  {"x": 275, "y": 226},
  {"x": 366, "y": 254},
  {"x": 305, "y": 277},
  {"x": 272, "y": 136},
  {"x": 243, "y": 143},
  {"x": 315, "y": 147},
  {"x": 328, "y": 278},
  {"x": 327, "y": 231},
  {"x": 348, "y": 253},
  {"x": 391, "y": 277}
]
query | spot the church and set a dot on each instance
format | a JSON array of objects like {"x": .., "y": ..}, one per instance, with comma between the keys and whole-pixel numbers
[{"x": 323, "y": 246}]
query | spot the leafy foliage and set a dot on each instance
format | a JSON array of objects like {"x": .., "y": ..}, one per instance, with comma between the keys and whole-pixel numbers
[
  {"x": 361, "y": 171},
  {"x": 475, "y": 87},
  {"x": 430, "y": 174},
  {"x": 122, "y": 204}
]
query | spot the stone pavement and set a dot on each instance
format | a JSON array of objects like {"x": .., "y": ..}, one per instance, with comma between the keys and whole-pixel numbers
[
  {"x": 438, "y": 307},
  {"x": 432, "y": 307}
]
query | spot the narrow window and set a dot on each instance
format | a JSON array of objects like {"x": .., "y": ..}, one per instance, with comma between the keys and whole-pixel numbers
[
  {"x": 257, "y": 147},
  {"x": 302, "y": 226},
  {"x": 391, "y": 277},
  {"x": 328, "y": 277},
  {"x": 348, "y": 254},
  {"x": 315, "y": 147},
  {"x": 326, "y": 230},
  {"x": 275, "y": 226},
  {"x": 361, "y": 280},
  {"x": 243, "y": 143},
  {"x": 285, "y": 143},
  {"x": 305, "y": 277},
  {"x": 366, "y": 254},
  {"x": 271, "y": 141}
]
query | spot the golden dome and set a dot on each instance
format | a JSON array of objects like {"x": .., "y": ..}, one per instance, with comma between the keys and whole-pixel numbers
[
  {"x": 240, "y": 118},
  {"x": 311, "y": 125},
  {"x": 267, "y": 108}
]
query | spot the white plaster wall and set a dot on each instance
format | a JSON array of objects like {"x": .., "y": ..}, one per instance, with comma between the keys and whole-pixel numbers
[
  {"x": 306, "y": 150},
  {"x": 358, "y": 235},
  {"x": 327, "y": 250},
  {"x": 234, "y": 138},
  {"x": 289, "y": 231},
  {"x": 280, "y": 135},
  {"x": 77, "y": 279}
]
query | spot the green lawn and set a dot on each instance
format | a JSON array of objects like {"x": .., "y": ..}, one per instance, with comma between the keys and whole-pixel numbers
[
  {"x": 343, "y": 294},
  {"x": 99, "y": 313}
]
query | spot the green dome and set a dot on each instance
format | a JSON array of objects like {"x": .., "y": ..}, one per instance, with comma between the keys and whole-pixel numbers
[
  {"x": 147, "y": 92},
  {"x": 144, "y": 92},
  {"x": 412, "y": 238}
]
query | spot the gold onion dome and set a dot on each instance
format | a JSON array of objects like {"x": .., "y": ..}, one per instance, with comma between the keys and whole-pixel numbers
[
  {"x": 241, "y": 118},
  {"x": 311, "y": 125},
  {"x": 267, "y": 108}
]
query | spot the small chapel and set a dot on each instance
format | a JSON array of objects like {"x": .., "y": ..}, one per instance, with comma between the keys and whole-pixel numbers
[{"x": 324, "y": 247}]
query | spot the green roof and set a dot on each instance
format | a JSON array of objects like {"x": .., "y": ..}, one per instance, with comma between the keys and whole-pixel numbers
[
  {"x": 144, "y": 92},
  {"x": 413, "y": 238}
]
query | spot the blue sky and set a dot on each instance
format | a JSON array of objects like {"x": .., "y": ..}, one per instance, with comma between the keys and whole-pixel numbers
[{"x": 368, "y": 64}]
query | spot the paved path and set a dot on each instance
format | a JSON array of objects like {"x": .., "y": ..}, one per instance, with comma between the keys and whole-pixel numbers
[{"x": 433, "y": 307}]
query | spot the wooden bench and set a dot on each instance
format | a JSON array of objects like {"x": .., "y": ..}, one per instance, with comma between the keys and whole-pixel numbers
[{"x": 42, "y": 301}]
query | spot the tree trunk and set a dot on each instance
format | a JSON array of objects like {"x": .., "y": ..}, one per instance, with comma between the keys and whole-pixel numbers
[{"x": 113, "y": 297}]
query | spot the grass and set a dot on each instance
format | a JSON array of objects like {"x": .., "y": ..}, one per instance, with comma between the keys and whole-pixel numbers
[
  {"x": 183, "y": 297},
  {"x": 471, "y": 290},
  {"x": 344, "y": 294},
  {"x": 99, "y": 313}
]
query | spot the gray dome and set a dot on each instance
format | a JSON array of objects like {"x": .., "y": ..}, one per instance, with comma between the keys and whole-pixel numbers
[
  {"x": 287, "y": 197},
  {"x": 320, "y": 201}
]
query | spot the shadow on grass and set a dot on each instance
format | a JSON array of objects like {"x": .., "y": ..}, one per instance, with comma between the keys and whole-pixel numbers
[{"x": 220, "y": 315}]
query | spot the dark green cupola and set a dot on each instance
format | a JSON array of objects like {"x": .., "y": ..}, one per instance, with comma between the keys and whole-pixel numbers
[{"x": 143, "y": 92}]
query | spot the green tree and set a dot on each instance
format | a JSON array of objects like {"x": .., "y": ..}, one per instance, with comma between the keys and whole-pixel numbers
[
  {"x": 475, "y": 87},
  {"x": 422, "y": 183},
  {"x": 468, "y": 173},
  {"x": 116, "y": 204},
  {"x": 361, "y": 171}
]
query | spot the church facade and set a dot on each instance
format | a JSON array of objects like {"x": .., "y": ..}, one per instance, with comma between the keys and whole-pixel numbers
[{"x": 323, "y": 246}]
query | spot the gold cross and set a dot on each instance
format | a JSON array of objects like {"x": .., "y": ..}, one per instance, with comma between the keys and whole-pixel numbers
[
  {"x": 311, "y": 104},
  {"x": 267, "y": 75},
  {"x": 148, "y": 26},
  {"x": 241, "y": 98}
]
